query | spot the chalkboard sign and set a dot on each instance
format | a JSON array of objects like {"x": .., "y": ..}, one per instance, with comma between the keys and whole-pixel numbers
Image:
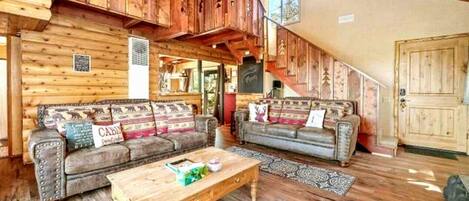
[
  {"x": 81, "y": 63},
  {"x": 251, "y": 76},
  {"x": 79, "y": 135}
]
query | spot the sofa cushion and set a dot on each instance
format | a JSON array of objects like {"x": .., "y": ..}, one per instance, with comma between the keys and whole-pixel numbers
[
  {"x": 180, "y": 117},
  {"x": 322, "y": 135},
  {"x": 161, "y": 118},
  {"x": 89, "y": 159},
  {"x": 258, "y": 127},
  {"x": 282, "y": 130},
  {"x": 148, "y": 146},
  {"x": 335, "y": 110},
  {"x": 101, "y": 113},
  {"x": 136, "y": 119},
  {"x": 186, "y": 140},
  {"x": 295, "y": 112},
  {"x": 275, "y": 108}
]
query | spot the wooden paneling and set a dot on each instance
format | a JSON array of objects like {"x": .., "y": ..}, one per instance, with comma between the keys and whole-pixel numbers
[
  {"x": 14, "y": 95},
  {"x": 340, "y": 81},
  {"x": 47, "y": 74},
  {"x": 282, "y": 42},
  {"x": 117, "y": 6},
  {"x": 151, "y": 11},
  {"x": 302, "y": 52},
  {"x": 292, "y": 57},
  {"x": 369, "y": 114},
  {"x": 314, "y": 59},
  {"x": 327, "y": 72},
  {"x": 163, "y": 14},
  {"x": 134, "y": 8},
  {"x": 355, "y": 88},
  {"x": 242, "y": 100}
]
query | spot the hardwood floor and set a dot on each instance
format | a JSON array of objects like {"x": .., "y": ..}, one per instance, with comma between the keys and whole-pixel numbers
[{"x": 406, "y": 177}]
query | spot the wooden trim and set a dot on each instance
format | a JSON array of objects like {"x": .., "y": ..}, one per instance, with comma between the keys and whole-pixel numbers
[
  {"x": 396, "y": 73},
  {"x": 15, "y": 127}
]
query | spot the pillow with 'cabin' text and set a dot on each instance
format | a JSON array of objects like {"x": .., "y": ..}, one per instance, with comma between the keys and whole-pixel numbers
[{"x": 105, "y": 135}]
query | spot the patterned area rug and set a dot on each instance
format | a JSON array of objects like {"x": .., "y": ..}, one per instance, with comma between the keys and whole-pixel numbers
[{"x": 329, "y": 180}]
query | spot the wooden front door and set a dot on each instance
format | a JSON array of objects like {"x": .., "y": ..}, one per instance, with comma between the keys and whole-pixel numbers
[{"x": 430, "y": 92}]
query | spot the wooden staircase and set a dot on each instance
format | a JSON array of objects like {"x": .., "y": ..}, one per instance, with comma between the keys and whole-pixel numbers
[{"x": 310, "y": 71}]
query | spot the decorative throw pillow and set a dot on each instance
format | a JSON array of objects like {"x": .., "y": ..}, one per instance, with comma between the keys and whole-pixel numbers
[
  {"x": 316, "y": 118},
  {"x": 275, "y": 108},
  {"x": 258, "y": 112},
  {"x": 62, "y": 118},
  {"x": 180, "y": 117},
  {"x": 105, "y": 135},
  {"x": 137, "y": 119},
  {"x": 161, "y": 118},
  {"x": 79, "y": 135}
]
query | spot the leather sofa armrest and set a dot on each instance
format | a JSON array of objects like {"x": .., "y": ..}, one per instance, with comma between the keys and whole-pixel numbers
[
  {"x": 347, "y": 133},
  {"x": 240, "y": 117},
  {"x": 47, "y": 149},
  {"x": 207, "y": 124}
]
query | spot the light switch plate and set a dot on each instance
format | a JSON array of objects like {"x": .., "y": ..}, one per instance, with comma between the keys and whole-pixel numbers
[{"x": 346, "y": 19}]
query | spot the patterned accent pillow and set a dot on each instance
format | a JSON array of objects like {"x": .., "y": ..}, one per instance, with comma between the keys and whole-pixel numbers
[
  {"x": 275, "y": 108},
  {"x": 335, "y": 110},
  {"x": 161, "y": 118},
  {"x": 62, "y": 118},
  {"x": 295, "y": 112},
  {"x": 105, "y": 135},
  {"x": 137, "y": 119},
  {"x": 102, "y": 114},
  {"x": 180, "y": 117},
  {"x": 258, "y": 112},
  {"x": 79, "y": 135}
]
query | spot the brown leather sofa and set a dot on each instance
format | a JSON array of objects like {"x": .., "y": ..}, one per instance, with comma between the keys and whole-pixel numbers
[
  {"x": 60, "y": 174},
  {"x": 334, "y": 142}
]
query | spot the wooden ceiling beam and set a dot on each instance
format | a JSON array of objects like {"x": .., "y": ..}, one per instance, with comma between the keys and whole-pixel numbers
[
  {"x": 27, "y": 8},
  {"x": 128, "y": 23},
  {"x": 228, "y": 36},
  {"x": 238, "y": 55}
]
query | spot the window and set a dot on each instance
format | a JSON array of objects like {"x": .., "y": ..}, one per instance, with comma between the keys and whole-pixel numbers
[{"x": 284, "y": 11}]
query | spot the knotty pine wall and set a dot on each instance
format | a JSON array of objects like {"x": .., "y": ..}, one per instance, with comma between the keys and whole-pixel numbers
[{"x": 47, "y": 74}]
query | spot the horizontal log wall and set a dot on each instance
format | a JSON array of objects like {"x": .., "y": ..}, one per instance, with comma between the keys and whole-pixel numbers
[{"x": 47, "y": 74}]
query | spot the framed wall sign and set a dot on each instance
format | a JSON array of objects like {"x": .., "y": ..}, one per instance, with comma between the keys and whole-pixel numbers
[
  {"x": 81, "y": 63},
  {"x": 251, "y": 76}
]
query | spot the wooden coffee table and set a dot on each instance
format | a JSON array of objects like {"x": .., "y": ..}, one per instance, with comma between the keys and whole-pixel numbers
[{"x": 155, "y": 182}]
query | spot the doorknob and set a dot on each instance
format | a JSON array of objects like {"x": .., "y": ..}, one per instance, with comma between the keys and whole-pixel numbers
[{"x": 403, "y": 103}]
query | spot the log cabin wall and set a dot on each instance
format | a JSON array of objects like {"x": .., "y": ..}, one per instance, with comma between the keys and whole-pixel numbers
[
  {"x": 243, "y": 99},
  {"x": 47, "y": 74}
]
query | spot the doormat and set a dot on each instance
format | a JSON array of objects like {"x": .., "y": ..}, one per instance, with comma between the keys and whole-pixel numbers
[
  {"x": 431, "y": 152},
  {"x": 325, "y": 179}
]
